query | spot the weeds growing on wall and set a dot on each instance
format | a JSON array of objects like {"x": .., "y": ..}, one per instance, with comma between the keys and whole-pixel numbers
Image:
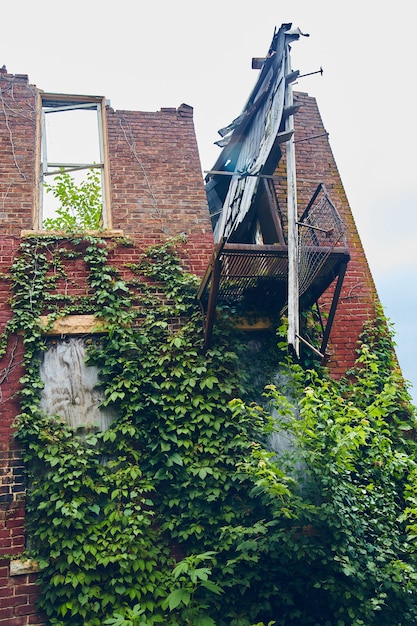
[{"x": 181, "y": 513}]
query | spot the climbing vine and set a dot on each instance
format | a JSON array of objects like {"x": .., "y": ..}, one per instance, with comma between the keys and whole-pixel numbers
[{"x": 182, "y": 512}]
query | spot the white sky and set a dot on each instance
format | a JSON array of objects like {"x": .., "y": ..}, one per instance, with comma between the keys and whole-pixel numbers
[{"x": 144, "y": 56}]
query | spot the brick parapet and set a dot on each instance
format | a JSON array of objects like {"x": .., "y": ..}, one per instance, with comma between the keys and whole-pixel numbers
[
  {"x": 156, "y": 178},
  {"x": 18, "y": 103}
]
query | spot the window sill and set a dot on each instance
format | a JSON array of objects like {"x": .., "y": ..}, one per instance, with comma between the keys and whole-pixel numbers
[{"x": 105, "y": 234}]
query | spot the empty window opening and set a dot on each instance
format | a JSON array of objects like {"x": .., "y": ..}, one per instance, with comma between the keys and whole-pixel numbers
[{"x": 73, "y": 177}]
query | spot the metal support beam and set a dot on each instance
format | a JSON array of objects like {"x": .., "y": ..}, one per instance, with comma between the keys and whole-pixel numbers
[
  {"x": 213, "y": 273},
  {"x": 211, "y": 307},
  {"x": 293, "y": 287},
  {"x": 333, "y": 307}
]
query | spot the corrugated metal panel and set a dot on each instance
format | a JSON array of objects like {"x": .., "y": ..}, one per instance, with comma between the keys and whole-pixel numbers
[{"x": 249, "y": 140}]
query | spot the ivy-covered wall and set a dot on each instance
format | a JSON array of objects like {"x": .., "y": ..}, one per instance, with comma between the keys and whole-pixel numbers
[
  {"x": 183, "y": 471},
  {"x": 180, "y": 512},
  {"x": 156, "y": 192}
]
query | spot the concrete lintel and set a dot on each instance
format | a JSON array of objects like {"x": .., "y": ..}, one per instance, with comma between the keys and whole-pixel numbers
[
  {"x": 74, "y": 325},
  {"x": 18, "y": 567}
]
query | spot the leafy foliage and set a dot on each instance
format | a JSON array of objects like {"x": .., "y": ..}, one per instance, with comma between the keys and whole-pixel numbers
[
  {"x": 182, "y": 512},
  {"x": 80, "y": 205}
]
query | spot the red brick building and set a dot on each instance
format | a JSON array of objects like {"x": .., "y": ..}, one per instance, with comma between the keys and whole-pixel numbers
[{"x": 153, "y": 188}]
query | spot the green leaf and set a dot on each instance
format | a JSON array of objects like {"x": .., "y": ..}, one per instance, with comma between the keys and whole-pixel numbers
[
  {"x": 178, "y": 597},
  {"x": 174, "y": 458}
]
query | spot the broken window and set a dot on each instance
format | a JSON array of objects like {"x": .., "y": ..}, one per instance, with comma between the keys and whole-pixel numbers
[{"x": 73, "y": 163}]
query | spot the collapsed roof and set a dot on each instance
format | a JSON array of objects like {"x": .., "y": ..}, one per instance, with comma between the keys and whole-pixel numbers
[{"x": 252, "y": 142}]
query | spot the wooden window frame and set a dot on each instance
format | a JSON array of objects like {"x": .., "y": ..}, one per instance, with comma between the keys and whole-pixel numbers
[{"x": 57, "y": 102}]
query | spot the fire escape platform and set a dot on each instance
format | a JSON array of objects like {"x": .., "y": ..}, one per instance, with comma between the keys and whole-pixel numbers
[{"x": 244, "y": 274}]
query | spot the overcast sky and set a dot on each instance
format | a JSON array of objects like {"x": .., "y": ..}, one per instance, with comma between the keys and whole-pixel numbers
[{"x": 144, "y": 56}]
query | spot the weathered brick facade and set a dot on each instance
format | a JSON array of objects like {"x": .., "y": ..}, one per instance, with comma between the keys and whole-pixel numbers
[{"x": 156, "y": 190}]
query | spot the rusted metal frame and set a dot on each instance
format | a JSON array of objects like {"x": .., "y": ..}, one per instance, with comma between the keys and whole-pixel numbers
[
  {"x": 214, "y": 272},
  {"x": 326, "y": 330},
  {"x": 217, "y": 251},
  {"x": 320, "y": 318},
  {"x": 268, "y": 249},
  {"x": 322, "y": 230},
  {"x": 325, "y": 134},
  {"x": 279, "y": 250},
  {"x": 333, "y": 307},
  {"x": 320, "y": 71},
  {"x": 335, "y": 213},
  {"x": 312, "y": 348},
  {"x": 320, "y": 187}
]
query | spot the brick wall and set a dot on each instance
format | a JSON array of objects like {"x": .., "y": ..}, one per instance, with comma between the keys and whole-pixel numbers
[
  {"x": 157, "y": 191},
  {"x": 17, "y": 598},
  {"x": 17, "y": 593},
  {"x": 156, "y": 180}
]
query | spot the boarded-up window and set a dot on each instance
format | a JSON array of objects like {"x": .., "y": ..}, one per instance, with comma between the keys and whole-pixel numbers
[{"x": 71, "y": 388}]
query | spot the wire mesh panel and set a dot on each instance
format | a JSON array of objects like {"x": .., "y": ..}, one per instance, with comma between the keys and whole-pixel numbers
[{"x": 320, "y": 231}]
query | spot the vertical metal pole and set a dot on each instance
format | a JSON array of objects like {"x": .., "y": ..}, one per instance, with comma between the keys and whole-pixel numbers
[
  {"x": 44, "y": 166},
  {"x": 293, "y": 289}
]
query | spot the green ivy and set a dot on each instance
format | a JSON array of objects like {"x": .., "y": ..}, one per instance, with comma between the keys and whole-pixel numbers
[
  {"x": 181, "y": 513},
  {"x": 348, "y": 555}
]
